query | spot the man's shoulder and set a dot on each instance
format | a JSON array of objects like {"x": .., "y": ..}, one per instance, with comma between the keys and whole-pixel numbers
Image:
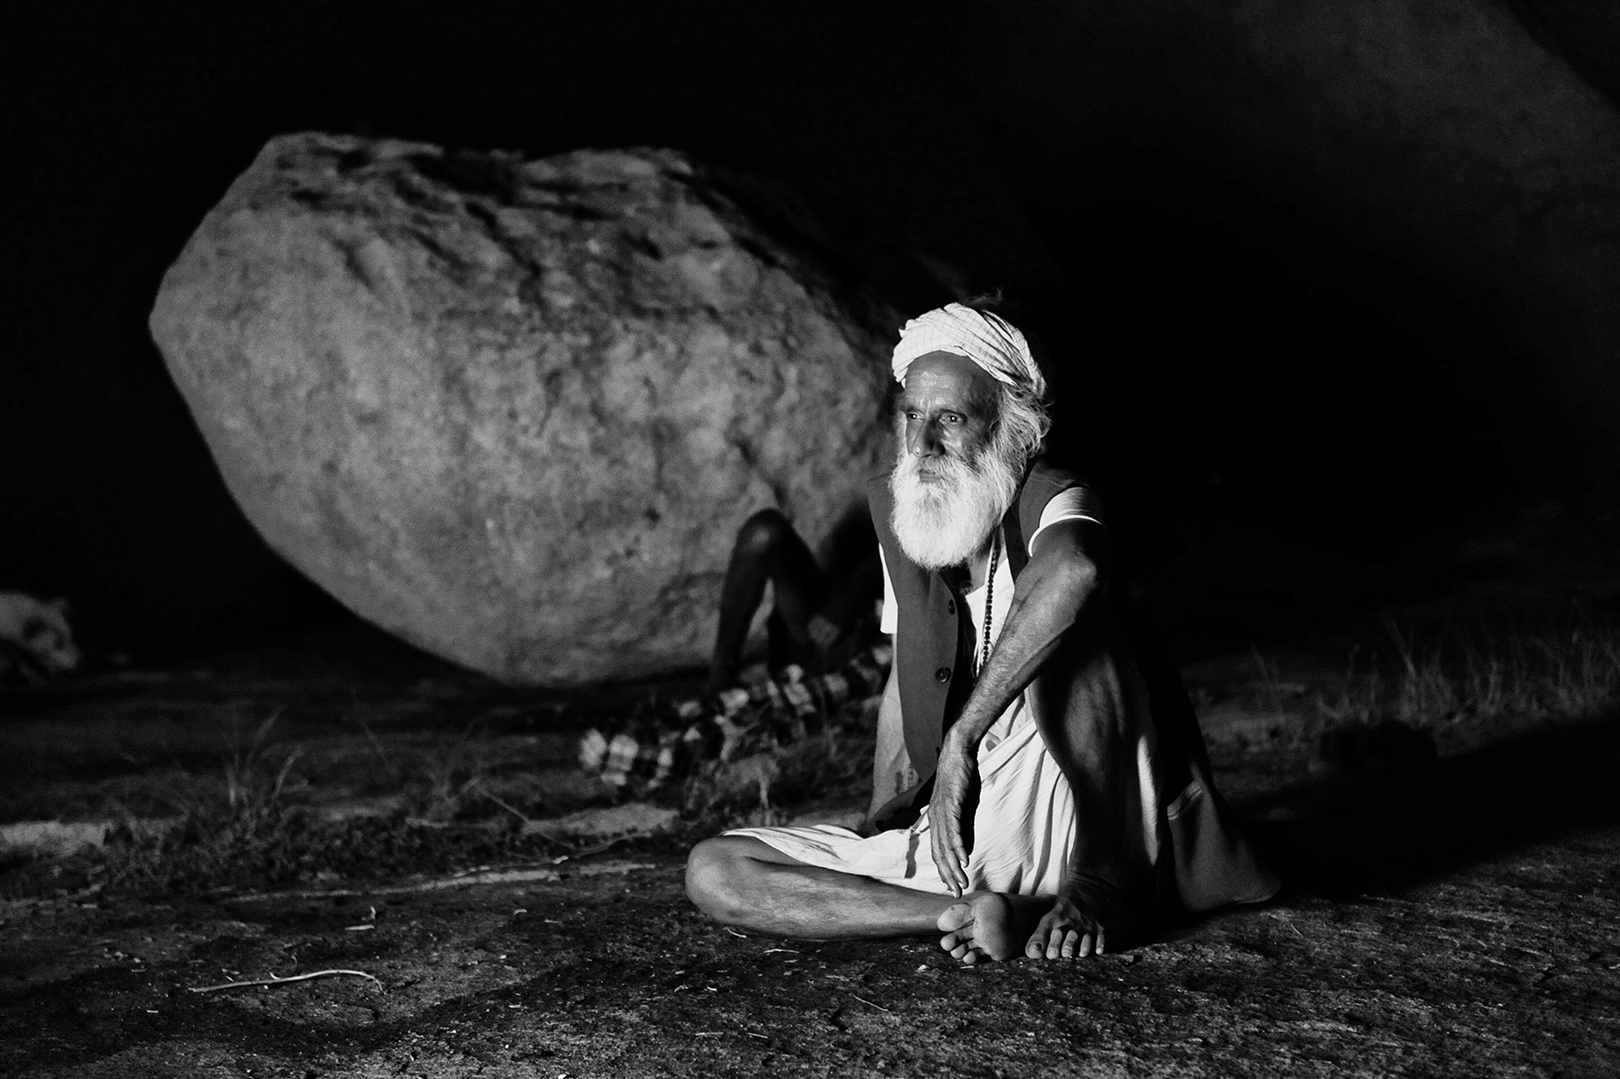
[
  {"x": 1052, "y": 494},
  {"x": 1046, "y": 481}
]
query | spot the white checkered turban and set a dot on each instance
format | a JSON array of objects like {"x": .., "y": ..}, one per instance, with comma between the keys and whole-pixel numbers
[{"x": 988, "y": 340}]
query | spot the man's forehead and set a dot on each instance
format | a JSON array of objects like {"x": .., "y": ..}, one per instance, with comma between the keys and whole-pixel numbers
[{"x": 945, "y": 374}]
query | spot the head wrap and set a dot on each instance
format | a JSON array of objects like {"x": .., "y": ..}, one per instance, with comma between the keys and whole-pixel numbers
[{"x": 988, "y": 340}]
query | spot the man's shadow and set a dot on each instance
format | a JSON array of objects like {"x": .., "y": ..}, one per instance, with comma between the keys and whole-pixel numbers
[{"x": 1394, "y": 826}]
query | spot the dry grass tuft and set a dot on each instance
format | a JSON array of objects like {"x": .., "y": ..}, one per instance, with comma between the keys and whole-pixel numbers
[
  {"x": 251, "y": 822},
  {"x": 1464, "y": 687}
]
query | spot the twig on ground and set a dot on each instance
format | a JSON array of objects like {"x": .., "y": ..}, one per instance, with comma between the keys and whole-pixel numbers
[
  {"x": 273, "y": 980},
  {"x": 487, "y": 793},
  {"x": 598, "y": 848},
  {"x": 869, "y": 1004},
  {"x": 382, "y": 754}
]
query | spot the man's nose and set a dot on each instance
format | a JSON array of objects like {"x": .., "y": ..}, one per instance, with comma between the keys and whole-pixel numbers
[{"x": 923, "y": 439}]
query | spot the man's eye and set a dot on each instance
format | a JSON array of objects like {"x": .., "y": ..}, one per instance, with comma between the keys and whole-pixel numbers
[
  {"x": 913, "y": 414},
  {"x": 952, "y": 417}
]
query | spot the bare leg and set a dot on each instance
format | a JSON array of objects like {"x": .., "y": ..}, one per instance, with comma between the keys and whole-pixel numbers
[
  {"x": 740, "y": 881},
  {"x": 1090, "y": 719},
  {"x": 767, "y": 550}
]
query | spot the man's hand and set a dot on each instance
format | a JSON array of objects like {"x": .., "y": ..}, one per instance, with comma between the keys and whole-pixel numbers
[
  {"x": 954, "y": 782},
  {"x": 1077, "y": 925}
]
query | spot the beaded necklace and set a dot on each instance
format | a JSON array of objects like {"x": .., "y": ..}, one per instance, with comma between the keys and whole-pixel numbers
[{"x": 989, "y": 596}]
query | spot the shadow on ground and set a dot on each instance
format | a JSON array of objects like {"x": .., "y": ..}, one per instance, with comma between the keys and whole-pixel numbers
[{"x": 1398, "y": 825}]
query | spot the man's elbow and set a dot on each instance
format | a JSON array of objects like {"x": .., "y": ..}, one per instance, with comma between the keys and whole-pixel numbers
[
  {"x": 1086, "y": 577},
  {"x": 1075, "y": 578},
  {"x": 1068, "y": 586}
]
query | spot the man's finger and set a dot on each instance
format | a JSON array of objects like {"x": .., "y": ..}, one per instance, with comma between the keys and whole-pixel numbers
[
  {"x": 950, "y": 857},
  {"x": 1101, "y": 940},
  {"x": 947, "y": 872},
  {"x": 1085, "y": 946},
  {"x": 946, "y": 865}
]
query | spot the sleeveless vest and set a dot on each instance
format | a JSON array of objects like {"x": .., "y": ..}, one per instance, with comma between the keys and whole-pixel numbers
[{"x": 934, "y": 642}]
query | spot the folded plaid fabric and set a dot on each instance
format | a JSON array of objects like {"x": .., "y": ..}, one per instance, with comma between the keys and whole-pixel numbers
[{"x": 783, "y": 708}]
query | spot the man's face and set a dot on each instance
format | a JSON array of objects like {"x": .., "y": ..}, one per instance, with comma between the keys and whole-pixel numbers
[
  {"x": 947, "y": 410},
  {"x": 950, "y": 485}
]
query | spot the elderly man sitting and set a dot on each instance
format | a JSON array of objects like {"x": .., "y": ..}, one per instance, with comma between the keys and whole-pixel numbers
[{"x": 1035, "y": 793}]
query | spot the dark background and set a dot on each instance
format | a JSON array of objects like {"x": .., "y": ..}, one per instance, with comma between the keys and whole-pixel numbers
[{"x": 1239, "y": 375}]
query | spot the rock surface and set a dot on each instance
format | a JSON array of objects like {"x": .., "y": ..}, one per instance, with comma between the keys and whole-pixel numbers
[
  {"x": 514, "y": 412},
  {"x": 1443, "y": 140}
]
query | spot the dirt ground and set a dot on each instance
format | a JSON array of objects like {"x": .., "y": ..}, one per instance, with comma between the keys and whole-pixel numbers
[{"x": 1453, "y": 917}]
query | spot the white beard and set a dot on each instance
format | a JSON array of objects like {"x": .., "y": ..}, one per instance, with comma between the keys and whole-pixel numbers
[{"x": 946, "y": 508}]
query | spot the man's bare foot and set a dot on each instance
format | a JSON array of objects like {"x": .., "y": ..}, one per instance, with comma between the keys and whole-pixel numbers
[
  {"x": 991, "y": 926},
  {"x": 1065, "y": 933},
  {"x": 1086, "y": 912}
]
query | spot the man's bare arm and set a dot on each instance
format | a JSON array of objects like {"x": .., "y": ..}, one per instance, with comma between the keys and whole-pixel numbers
[
  {"x": 1087, "y": 741},
  {"x": 1063, "y": 577}
]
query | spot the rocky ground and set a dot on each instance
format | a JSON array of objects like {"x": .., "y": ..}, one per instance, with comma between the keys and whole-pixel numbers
[{"x": 473, "y": 905}]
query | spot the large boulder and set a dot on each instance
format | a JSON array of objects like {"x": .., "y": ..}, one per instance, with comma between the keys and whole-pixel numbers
[{"x": 514, "y": 411}]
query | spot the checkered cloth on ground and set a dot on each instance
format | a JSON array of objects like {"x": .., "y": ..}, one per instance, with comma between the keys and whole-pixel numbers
[{"x": 786, "y": 706}]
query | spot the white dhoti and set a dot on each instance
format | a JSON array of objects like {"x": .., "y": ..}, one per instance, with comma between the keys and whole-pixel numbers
[{"x": 1023, "y": 826}]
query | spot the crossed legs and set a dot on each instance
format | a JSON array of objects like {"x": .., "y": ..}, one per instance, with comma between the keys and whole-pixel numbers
[{"x": 743, "y": 882}]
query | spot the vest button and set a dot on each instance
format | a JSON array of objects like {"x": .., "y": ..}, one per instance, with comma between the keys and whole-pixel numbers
[
  {"x": 950, "y": 606},
  {"x": 942, "y": 675}
]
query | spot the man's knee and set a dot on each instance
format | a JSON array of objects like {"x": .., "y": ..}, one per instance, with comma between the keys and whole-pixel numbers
[
  {"x": 762, "y": 534},
  {"x": 1091, "y": 686},
  {"x": 716, "y": 877}
]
